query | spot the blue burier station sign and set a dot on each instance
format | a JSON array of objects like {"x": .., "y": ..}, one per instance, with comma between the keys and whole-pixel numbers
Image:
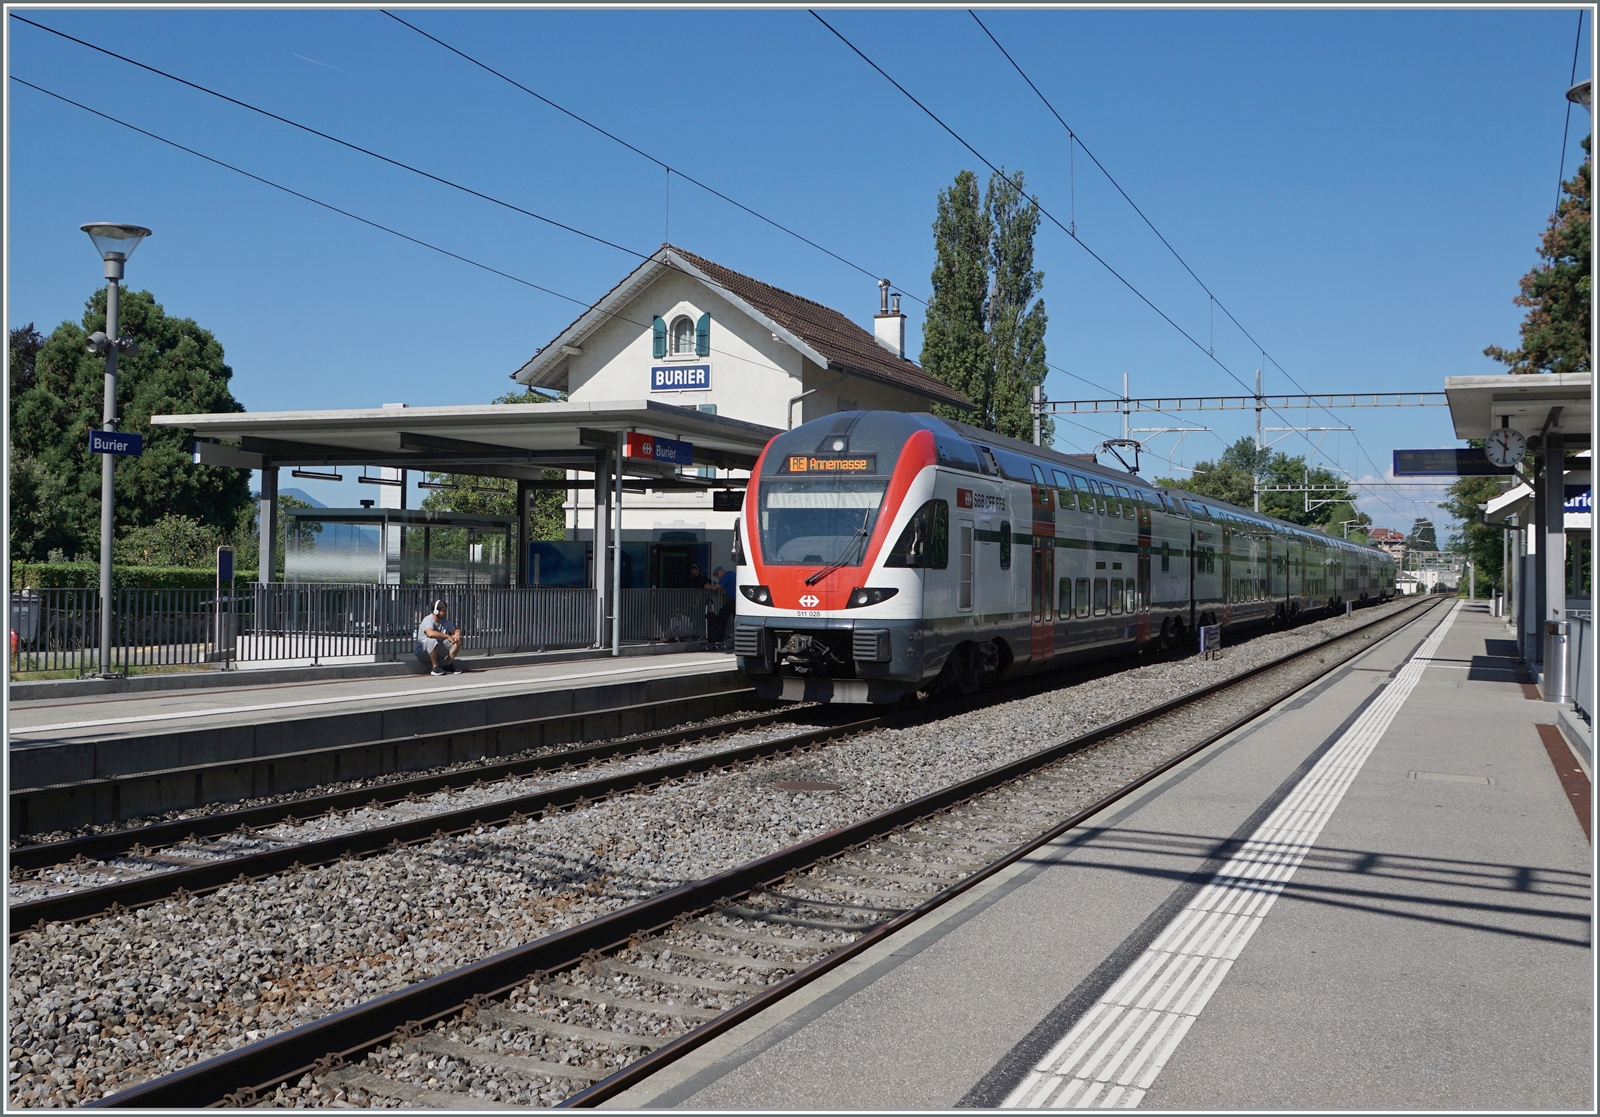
[
  {"x": 680, "y": 378},
  {"x": 116, "y": 442}
]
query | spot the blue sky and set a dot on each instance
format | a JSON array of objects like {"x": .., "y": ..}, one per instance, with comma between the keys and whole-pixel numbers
[{"x": 1361, "y": 188}]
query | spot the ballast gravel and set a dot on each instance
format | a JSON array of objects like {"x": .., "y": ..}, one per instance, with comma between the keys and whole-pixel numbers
[
  {"x": 465, "y": 768},
  {"x": 98, "y": 1006}
]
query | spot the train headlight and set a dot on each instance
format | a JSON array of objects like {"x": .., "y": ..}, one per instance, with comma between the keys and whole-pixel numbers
[
  {"x": 761, "y": 595},
  {"x": 868, "y": 596}
]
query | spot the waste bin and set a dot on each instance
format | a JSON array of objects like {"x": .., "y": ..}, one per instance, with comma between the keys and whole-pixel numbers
[{"x": 1554, "y": 680}]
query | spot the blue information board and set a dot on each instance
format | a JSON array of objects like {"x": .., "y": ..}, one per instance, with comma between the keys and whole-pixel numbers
[
  {"x": 1452, "y": 462},
  {"x": 116, "y": 442}
]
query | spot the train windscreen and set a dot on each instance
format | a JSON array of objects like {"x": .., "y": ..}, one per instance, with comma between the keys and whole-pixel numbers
[{"x": 818, "y": 521}]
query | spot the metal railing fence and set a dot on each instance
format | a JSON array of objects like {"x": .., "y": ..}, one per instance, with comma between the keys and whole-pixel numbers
[
  {"x": 290, "y": 623},
  {"x": 1580, "y": 660}
]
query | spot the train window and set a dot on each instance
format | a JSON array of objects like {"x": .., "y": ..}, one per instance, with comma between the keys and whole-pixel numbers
[
  {"x": 925, "y": 542},
  {"x": 1102, "y": 597},
  {"x": 1005, "y": 544},
  {"x": 986, "y": 459},
  {"x": 1127, "y": 502},
  {"x": 1166, "y": 557},
  {"x": 1128, "y": 596},
  {"x": 1083, "y": 597},
  {"x": 1064, "y": 598},
  {"x": 964, "y": 593},
  {"x": 1064, "y": 495},
  {"x": 1116, "y": 595},
  {"x": 1038, "y": 475}
]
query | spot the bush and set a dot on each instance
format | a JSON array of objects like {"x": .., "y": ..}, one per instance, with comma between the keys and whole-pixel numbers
[{"x": 86, "y": 575}]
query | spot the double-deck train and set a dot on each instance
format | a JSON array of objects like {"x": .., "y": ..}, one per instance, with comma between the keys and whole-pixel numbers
[{"x": 881, "y": 554}]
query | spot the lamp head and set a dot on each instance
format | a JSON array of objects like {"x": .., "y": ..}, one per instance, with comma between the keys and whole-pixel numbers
[{"x": 114, "y": 241}]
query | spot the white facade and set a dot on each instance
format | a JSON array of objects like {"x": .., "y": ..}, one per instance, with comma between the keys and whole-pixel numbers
[{"x": 760, "y": 372}]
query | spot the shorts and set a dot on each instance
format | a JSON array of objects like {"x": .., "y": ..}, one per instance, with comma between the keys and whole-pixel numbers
[{"x": 425, "y": 647}]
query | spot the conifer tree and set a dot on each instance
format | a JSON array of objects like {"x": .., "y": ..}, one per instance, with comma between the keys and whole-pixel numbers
[
  {"x": 955, "y": 346},
  {"x": 1016, "y": 315}
]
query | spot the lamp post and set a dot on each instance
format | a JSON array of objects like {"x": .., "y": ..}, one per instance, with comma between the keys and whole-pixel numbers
[{"x": 115, "y": 243}]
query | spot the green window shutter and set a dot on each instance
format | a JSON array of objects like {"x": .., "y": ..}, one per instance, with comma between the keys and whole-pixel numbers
[
  {"x": 702, "y": 336},
  {"x": 659, "y": 344}
]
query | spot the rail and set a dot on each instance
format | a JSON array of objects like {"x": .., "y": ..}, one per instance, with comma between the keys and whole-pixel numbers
[
  {"x": 311, "y": 623},
  {"x": 243, "y": 1075}
]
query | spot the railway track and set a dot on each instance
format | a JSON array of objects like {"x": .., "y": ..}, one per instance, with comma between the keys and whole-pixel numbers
[
  {"x": 577, "y": 1016},
  {"x": 85, "y": 876},
  {"x": 112, "y": 798}
]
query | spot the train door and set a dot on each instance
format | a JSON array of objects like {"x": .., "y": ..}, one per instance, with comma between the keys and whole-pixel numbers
[
  {"x": 1043, "y": 635},
  {"x": 1227, "y": 574},
  {"x": 1141, "y": 602},
  {"x": 964, "y": 532}
]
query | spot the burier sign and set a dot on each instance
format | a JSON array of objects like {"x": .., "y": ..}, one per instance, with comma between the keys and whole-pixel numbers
[{"x": 116, "y": 442}]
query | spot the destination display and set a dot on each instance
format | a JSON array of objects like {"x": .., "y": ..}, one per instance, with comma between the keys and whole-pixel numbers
[
  {"x": 116, "y": 442},
  {"x": 1456, "y": 462},
  {"x": 822, "y": 463},
  {"x": 680, "y": 378}
]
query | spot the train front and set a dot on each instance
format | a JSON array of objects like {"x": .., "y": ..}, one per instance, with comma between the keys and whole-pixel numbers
[{"x": 828, "y": 609}]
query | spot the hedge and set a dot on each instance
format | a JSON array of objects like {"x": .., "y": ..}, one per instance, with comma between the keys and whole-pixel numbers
[{"x": 73, "y": 575}]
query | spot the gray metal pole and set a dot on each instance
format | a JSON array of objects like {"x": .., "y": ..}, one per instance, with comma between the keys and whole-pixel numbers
[
  {"x": 1038, "y": 415},
  {"x": 108, "y": 462},
  {"x": 1554, "y": 563},
  {"x": 602, "y": 513},
  {"x": 616, "y": 558},
  {"x": 267, "y": 513},
  {"x": 1255, "y": 483}
]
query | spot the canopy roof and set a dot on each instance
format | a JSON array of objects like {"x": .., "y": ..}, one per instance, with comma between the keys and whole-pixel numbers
[
  {"x": 517, "y": 440},
  {"x": 1479, "y": 404}
]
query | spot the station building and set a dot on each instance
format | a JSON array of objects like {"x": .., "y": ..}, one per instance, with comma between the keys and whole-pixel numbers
[{"x": 683, "y": 330}]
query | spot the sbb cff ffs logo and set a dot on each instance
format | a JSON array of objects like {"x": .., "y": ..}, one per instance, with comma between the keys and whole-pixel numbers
[
  {"x": 982, "y": 502},
  {"x": 810, "y": 601}
]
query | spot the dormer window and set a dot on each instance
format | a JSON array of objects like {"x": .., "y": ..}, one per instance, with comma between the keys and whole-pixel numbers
[{"x": 683, "y": 336}]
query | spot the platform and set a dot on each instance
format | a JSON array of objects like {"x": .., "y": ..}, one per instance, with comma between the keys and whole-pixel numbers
[
  {"x": 73, "y": 739},
  {"x": 1377, "y": 896}
]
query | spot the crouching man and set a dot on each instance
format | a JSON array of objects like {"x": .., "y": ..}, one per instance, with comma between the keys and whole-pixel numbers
[{"x": 439, "y": 640}]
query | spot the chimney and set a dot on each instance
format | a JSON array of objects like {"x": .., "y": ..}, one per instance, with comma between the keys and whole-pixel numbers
[{"x": 889, "y": 326}]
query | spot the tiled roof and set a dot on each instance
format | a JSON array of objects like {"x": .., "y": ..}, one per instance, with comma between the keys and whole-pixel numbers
[{"x": 845, "y": 344}]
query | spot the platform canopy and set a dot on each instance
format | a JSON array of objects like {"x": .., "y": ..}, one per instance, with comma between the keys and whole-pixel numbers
[
  {"x": 518, "y": 441},
  {"x": 1531, "y": 404}
]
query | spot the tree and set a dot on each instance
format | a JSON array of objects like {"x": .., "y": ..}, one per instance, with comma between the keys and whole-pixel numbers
[
  {"x": 497, "y": 496},
  {"x": 984, "y": 334},
  {"x": 24, "y": 352},
  {"x": 1234, "y": 476},
  {"x": 1478, "y": 541},
  {"x": 1555, "y": 333},
  {"x": 955, "y": 342},
  {"x": 1423, "y": 536},
  {"x": 179, "y": 368},
  {"x": 1016, "y": 315}
]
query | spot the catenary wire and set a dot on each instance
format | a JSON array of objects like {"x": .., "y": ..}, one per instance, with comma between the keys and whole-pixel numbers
[
  {"x": 1211, "y": 296},
  {"x": 671, "y": 170},
  {"x": 335, "y": 209},
  {"x": 1052, "y": 218},
  {"x": 674, "y": 170},
  {"x": 1567, "y": 126}
]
